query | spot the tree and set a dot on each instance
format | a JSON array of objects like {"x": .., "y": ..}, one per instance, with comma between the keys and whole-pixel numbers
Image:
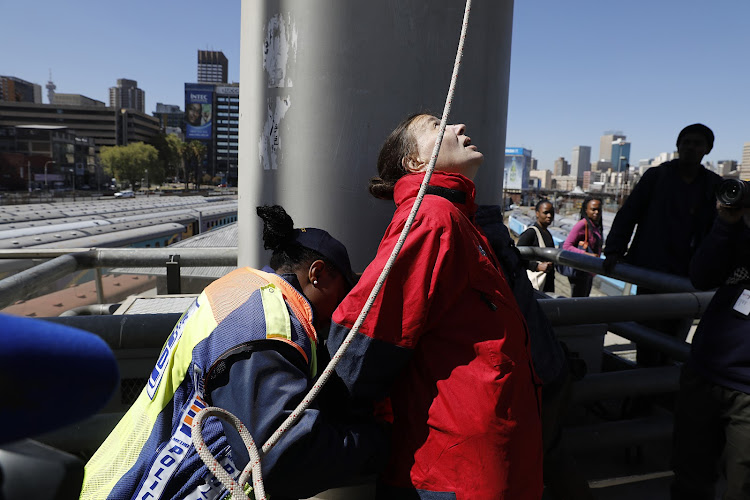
[
  {"x": 170, "y": 153},
  {"x": 193, "y": 153},
  {"x": 129, "y": 163}
]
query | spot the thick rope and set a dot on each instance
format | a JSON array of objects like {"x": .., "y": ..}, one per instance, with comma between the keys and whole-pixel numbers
[
  {"x": 236, "y": 488},
  {"x": 297, "y": 413}
]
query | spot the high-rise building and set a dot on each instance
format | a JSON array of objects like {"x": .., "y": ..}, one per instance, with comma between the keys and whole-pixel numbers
[
  {"x": 212, "y": 115},
  {"x": 517, "y": 167},
  {"x": 14, "y": 89},
  {"x": 620, "y": 158},
  {"x": 725, "y": 167},
  {"x": 212, "y": 66},
  {"x": 605, "y": 148},
  {"x": 107, "y": 126},
  {"x": 580, "y": 162},
  {"x": 127, "y": 95},
  {"x": 170, "y": 116},
  {"x": 745, "y": 167},
  {"x": 544, "y": 177},
  {"x": 562, "y": 167}
]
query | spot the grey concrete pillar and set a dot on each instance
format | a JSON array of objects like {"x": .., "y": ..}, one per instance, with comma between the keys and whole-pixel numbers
[{"x": 323, "y": 83}]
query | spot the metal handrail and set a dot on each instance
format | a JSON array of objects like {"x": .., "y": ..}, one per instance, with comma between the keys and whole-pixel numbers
[
  {"x": 575, "y": 311},
  {"x": 65, "y": 262},
  {"x": 655, "y": 280},
  {"x": 619, "y": 313}
]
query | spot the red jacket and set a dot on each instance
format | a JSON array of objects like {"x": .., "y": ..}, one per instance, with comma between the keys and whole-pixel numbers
[{"x": 446, "y": 340}]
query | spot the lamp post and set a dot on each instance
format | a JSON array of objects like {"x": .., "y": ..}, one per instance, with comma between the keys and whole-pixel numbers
[
  {"x": 45, "y": 173},
  {"x": 28, "y": 166},
  {"x": 96, "y": 169},
  {"x": 73, "y": 181},
  {"x": 148, "y": 186}
]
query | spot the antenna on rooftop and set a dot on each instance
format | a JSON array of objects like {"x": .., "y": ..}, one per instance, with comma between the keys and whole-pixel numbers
[{"x": 50, "y": 88}]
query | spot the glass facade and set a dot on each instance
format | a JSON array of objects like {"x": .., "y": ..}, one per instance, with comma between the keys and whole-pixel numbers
[{"x": 620, "y": 156}]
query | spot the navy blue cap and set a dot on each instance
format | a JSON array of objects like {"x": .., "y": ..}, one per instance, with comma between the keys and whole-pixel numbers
[{"x": 329, "y": 247}]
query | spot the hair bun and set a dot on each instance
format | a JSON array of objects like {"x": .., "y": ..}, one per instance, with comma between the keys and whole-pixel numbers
[
  {"x": 278, "y": 226},
  {"x": 381, "y": 189}
]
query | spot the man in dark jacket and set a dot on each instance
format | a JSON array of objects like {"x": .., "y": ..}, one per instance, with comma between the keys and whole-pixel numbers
[
  {"x": 673, "y": 206},
  {"x": 562, "y": 479},
  {"x": 712, "y": 421}
]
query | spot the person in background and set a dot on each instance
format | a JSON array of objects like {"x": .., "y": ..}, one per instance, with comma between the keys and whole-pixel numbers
[
  {"x": 673, "y": 207},
  {"x": 248, "y": 344},
  {"x": 712, "y": 414},
  {"x": 445, "y": 338},
  {"x": 585, "y": 237},
  {"x": 539, "y": 236}
]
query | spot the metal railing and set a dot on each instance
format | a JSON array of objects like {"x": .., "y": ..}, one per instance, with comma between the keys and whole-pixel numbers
[
  {"x": 146, "y": 333},
  {"x": 65, "y": 262}
]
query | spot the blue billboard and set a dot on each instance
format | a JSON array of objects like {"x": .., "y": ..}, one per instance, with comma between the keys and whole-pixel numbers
[
  {"x": 198, "y": 111},
  {"x": 517, "y": 167}
]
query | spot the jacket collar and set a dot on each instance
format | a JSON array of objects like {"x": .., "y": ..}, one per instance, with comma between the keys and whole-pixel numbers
[
  {"x": 456, "y": 188},
  {"x": 291, "y": 278}
]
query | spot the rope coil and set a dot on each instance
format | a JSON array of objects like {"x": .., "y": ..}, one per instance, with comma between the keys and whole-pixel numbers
[
  {"x": 295, "y": 415},
  {"x": 252, "y": 469}
]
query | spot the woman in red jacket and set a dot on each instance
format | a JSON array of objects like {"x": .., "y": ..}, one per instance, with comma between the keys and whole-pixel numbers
[{"x": 445, "y": 338}]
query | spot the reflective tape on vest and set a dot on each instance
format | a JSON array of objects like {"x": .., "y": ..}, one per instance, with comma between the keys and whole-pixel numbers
[{"x": 171, "y": 455}]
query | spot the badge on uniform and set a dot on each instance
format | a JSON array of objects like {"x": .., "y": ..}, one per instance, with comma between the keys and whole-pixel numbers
[{"x": 742, "y": 304}]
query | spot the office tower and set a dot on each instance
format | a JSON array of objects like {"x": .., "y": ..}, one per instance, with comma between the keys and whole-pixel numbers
[
  {"x": 127, "y": 95},
  {"x": 544, "y": 177},
  {"x": 212, "y": 66},
  {"x": 107, "y": 126},
  {"x": 562, "y": 167},
  {"x": 745, "y": 167},
  {"x": 170, "y": 116},
  {"x": 516, "y": 173},
  {"x": 580, "y": 162},
  {"x": 212, "y": 113},
  {"x": 725, "y": 167},
  {"x": 14, "y": 89},
  {"x": 620, "y": 156},
  {"x": 605, "y": 147}
]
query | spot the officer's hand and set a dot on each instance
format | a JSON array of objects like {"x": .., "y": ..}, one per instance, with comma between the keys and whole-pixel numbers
[{"x": 730, "y": 215}]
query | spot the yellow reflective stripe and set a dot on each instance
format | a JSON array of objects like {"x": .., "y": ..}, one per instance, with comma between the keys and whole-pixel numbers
[
  {"x": 122, "y": 447},
  {"x": 313, "y": 358},
  {"x": 278, "y": 323}
]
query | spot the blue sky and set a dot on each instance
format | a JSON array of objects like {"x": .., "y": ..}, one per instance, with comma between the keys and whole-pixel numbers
[
  {"x": 579, "y": 67},
  {"x": 646, "y": 68}
]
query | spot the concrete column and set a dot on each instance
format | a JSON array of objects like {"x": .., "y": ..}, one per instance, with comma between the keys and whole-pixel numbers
[{"x": 324, "y": 82}]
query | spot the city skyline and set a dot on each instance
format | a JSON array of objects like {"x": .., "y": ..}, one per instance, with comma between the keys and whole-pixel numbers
[{"x": 576, "y": 70}]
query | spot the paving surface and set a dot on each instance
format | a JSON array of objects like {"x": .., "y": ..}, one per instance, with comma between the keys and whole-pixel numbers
[{"x": 116, "y": 287}]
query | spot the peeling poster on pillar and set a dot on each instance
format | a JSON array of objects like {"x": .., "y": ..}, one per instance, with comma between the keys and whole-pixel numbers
[
  {"x": 270, "y": 142},
  {"x": 279, "y": 50}
]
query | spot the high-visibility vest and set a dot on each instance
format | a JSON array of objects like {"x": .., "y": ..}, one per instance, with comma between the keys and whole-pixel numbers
[{"x": 152, "y": 442}]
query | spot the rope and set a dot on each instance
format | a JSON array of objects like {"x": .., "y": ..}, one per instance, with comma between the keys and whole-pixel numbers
[
  {"x": 253, "y": 465},
  {"x": 297, "y": 413}
]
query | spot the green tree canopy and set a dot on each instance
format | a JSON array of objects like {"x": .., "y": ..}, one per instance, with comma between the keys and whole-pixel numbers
[
  {"x": 193, "y": 153},
  {"x": 170, "y": 153},
  {"x": 129, "y": 163}
]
